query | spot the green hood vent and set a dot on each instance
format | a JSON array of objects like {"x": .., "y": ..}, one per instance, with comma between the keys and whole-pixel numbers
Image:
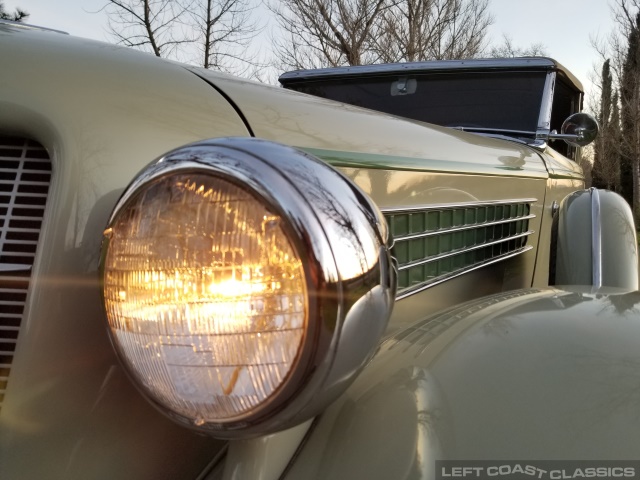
[{"x": 435, "y": 243}]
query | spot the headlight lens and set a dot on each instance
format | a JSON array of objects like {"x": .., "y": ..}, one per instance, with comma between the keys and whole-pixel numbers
[
  {"x": 205, "y": 295},
  {"x": 245, "y": 283}
]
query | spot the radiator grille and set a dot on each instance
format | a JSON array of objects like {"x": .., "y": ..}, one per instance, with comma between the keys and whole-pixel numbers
[
  {"x": 25, "y": 175},
  {"x": 435, "y": 243}
]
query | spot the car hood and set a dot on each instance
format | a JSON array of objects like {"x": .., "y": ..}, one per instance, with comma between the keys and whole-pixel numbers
[{"x": 382, "y": 140}]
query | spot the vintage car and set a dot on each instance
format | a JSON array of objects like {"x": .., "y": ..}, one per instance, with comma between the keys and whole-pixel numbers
[{"x": 203, "y": 277}]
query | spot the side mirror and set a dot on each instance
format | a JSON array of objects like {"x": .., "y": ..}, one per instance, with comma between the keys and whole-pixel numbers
[{"x": 579, "y": 130}]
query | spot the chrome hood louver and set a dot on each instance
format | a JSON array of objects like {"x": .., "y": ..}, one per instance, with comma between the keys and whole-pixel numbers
[
  {"x": 25, "y": 175},
  {"x": 438, "y": 242}
]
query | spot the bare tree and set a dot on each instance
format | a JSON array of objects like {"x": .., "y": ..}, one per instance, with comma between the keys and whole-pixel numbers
[
  {"x": 209, "y": 33},
  {"x": 224, "y": 29},
  {"x": 614, "y": 47},
  {"x": 321, "y": 33},
  {"x": 18, "y": 16},
  {"x": 151, "y": 25},
  {"x": 507, "y": 49},
  {"x": 630, "y": 102},
  {"x": 414, "y": 30}
]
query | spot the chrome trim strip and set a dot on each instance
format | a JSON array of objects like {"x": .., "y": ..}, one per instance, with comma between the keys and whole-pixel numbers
[
  {"x": 496, "y": 130},
  {"x": 457, "y": 205},
  {"x": 596, "y": 238},
  {"x": 474, "y": 226},
  {"x": 409, "y": 291},
  {"x": 462, "y": 250},
  {"x": 544, "y": 120}
]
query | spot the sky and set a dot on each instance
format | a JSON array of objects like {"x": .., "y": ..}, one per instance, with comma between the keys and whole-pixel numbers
[{"x": 564, "y": 27}]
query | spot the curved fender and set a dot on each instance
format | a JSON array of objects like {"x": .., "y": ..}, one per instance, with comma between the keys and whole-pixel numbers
[
  {"x": 596, "y": 241},
  {"x": 526, "y": 375}
]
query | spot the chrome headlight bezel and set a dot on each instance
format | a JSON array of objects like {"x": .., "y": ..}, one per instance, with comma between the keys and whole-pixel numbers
[{"x": 326, "y": 218}]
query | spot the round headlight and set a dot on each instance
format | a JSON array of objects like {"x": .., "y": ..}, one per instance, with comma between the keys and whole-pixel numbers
[
  {"x": 203, "y": 276},
  {"x": 234, "y": 274}
]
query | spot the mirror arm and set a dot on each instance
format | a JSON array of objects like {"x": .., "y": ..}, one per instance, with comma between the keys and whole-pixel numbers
[{"x": 564, "y": 136}]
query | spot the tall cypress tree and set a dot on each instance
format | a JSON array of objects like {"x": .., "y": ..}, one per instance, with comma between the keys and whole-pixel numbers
[
  {"x": 614, "y": 140},
  {"x": 606, "y": 164},
  {"x": 602, "y": 155}
]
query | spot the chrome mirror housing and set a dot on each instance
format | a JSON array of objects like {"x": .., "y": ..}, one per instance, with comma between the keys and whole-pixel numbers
[{"x": 579, "y": 130}]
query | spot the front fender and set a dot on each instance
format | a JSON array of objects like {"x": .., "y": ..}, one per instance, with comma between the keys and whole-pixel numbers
[
  {"x": 595, "y": 241},
  {"x": 524, "y": 375}
]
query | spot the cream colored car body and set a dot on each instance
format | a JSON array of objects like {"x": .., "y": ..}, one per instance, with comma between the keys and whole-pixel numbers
[{"x": 104, "y": 112}]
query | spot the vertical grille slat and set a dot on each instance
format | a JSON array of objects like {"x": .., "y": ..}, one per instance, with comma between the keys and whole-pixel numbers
[{"x": 25, "y": 176}]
